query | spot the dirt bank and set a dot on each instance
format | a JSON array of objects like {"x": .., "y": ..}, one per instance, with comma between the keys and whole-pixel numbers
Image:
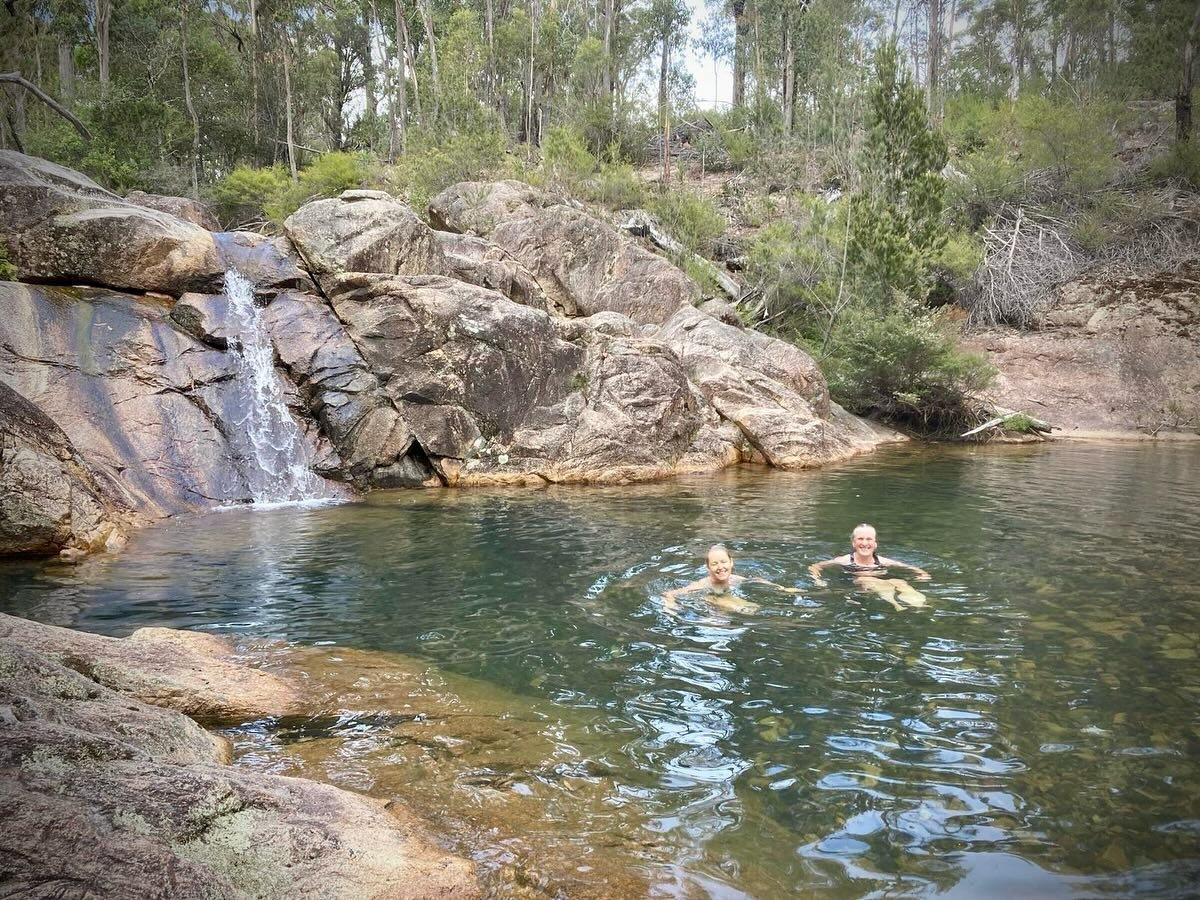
[{"x": 1117, "y": 357}]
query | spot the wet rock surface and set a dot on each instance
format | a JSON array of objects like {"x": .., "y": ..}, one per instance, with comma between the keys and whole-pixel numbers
[{"x": 143, "y": 403}]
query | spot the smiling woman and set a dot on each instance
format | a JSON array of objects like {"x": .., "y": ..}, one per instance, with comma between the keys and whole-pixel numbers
[{"x": 501, "y": 661}]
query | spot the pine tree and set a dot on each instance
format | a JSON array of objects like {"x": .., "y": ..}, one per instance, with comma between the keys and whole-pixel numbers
[{"x": 895, "y": 227}]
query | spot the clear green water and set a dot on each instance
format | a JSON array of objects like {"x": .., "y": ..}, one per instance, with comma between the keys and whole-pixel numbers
[{"x": 1033, "y": 732}]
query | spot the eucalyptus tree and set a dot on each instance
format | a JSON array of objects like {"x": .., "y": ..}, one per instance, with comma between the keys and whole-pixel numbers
[{"x": 664, "y": 24}]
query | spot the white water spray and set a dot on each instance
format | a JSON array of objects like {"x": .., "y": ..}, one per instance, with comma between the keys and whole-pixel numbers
[{"x": 275, "y": 458}]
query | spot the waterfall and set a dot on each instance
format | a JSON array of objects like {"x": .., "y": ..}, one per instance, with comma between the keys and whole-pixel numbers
[{"x": 273, "y": 455}]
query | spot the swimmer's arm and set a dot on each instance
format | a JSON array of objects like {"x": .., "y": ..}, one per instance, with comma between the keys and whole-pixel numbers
[
  {"x": 786, "y": 590},
  {"x": 922, "y": 575},
  {"x": 815, "y": 569},
  {"x": 671, "y": 597}
]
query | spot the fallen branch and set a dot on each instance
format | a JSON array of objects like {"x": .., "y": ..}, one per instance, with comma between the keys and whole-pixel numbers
[
  {"x": 640, "y": 223},
  {"x": 990, "y": 423},
  {"x": 1037, "y": 426},
  {"x": 15, "y": 78}
]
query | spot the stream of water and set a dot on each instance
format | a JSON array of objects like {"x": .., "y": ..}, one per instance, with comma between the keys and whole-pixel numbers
[
  {"x": 274, "y": 458},
  {"x": 1034, "y": 731}
]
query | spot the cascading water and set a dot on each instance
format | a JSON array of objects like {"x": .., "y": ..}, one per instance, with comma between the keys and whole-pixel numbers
[{"x": 274, "y": 457}]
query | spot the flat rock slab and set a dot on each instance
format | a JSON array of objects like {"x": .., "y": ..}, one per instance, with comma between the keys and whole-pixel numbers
[
  {"x": 194, "y": 673},
  {"x": 106, "y": 796}
]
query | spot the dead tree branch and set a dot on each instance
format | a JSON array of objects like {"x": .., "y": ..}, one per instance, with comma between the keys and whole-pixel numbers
[{"x": 15, "y": 78}]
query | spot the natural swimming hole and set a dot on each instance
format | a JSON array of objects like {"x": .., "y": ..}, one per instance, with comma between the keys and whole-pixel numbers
[{"x": 500, "y": 660}]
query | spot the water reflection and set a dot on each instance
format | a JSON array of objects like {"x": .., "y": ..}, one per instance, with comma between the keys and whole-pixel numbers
[{"x": 1031, "y": 732}]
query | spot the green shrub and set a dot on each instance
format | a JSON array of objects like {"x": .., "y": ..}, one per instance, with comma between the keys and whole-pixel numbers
[
  {"x": 960, "y": 256},
  {"x": 1073, "y": 140},
  {"x": 1019, "y": 423},
  {"x": 901, "y": 364},
  {"x": 1091, "y": 230},
  {"x": 692, "y": 219},
  {"x": 970, "y": 123},
  {"x": 701, "y": 272},
  {"x": 242, "y": 196},
  {"x": 432, "y": 163},
  {"x": 565, "y": 161},
  {"x": 1181, "y": 164},
  {"x": 617, "y": 186},
  {"x": 798, "y": 266},
  {"x": 740, "y": 147},
  {"x": 8, "y": 272},
  {"x": 326, "y": 176}
]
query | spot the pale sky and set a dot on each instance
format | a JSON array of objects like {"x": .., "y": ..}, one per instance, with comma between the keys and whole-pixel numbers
[{"x": 713, "y": 88}]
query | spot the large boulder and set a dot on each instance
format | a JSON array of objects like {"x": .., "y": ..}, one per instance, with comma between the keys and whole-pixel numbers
[
  {"x": 130, "y": 800},
  {"x": 62, "y": 227},
  {"x": 770, "y": 389},
  {"x": 497, "y": 391},
  {"x": 363, "y": 231},
  {"x": 582, "y": 264},
  {"x": 49, "y": 500},
  {"x": 184, "y": 208}
]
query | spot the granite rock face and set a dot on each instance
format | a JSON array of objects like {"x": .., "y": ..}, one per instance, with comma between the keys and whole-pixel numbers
[
  {"x": 148, "y": 407},
  {"x": 49, "y": 499},
  {"x": 496, "y": 391},
  {"x": 584, "y": 265},
  {"x": 523, "y": 340},
  {"x": 1116, "y": 355}
]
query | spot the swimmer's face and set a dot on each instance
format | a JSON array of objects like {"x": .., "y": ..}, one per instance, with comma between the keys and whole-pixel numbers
[
  {"x": 720, "y": 566},
  {"x": 863, "y": 540}
]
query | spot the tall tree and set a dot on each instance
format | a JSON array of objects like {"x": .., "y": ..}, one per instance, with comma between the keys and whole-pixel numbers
[
  {"x": 741, "y": 49},
  {"x": 1187, "y": 81},
  {"x": 895, "y": 222},
  {"x": 665, "y": 24},
  {"x": 187, "y": 98},
  {"x": 101, "y": 11}
]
